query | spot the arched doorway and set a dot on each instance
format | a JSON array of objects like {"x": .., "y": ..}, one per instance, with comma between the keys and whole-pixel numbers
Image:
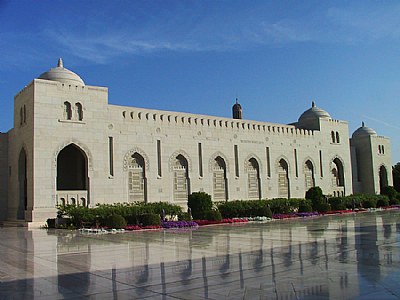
[
  {"x": 72, "y": 176},
  {"x": 219, "y": 179},
  {"x": 283, "y": 179},
  {"x": 22, "y": 185},
  {"x": 181, "y": 179},
  {"x": 137, "y": 183},
  {"x": 253, "y": 178},
  {"x": 337, "y": 175},
  {"x": 383, "y": 178},
  {"x": 309, "y": 175}
]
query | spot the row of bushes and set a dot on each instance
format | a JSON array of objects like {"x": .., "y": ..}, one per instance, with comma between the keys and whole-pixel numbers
[
  {"x": 119, "y": 214},
  {"x": 202, "y": 208}
]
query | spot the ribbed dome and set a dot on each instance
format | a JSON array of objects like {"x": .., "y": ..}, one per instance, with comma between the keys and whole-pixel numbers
[
  {"x": 364, "y": 131},
  {"x": 62, "y": 75},
  {"x": 314, "y": 113}
]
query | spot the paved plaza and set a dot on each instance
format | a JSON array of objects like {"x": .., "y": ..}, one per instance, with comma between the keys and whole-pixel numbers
[{"x": 353, "y": 256}]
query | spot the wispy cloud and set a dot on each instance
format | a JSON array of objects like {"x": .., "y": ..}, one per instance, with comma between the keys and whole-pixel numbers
[
  {"x": 103, "y": 36},
  {"x": 382, "y": 122}
]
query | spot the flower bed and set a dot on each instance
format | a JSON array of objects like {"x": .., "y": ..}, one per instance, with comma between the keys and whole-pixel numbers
[
  {"x": 224, "y": 221},
  {"x": 178, "y": 224},
  {"x": 136, "y": 227}
]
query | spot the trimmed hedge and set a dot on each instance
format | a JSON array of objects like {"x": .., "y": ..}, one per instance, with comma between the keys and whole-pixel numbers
[
  {"x": 200, "y": 203},
  {"x": 115, "y": 221},
  {"x": 149, "y": 219}
]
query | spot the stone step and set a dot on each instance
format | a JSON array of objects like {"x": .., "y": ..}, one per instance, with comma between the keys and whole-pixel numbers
[{"x": 14, "y": 223}]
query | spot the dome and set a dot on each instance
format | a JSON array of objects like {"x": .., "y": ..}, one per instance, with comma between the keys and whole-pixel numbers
[
  {"x": 62, "y": 75},
  {"x": 314, "y": 113},
  {"x": 364, "y": 131}
]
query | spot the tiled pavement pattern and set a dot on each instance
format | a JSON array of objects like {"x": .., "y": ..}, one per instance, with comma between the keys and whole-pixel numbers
[{"x": 352, "y": 256}]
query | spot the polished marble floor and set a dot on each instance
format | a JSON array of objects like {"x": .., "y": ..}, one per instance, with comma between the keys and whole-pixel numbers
[{"x": 337, "y": 257}]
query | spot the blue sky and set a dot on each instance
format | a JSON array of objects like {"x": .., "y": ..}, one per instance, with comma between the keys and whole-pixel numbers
[{"x": 198, "y": 56}]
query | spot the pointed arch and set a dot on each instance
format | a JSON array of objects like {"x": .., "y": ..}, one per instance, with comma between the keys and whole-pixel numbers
[
  {"x": 72, "y": 169},
  {"x": 212, "y": 159},
  {"x": 220, "y": 182},
  {"x": 67, "y": 110},
  {"x": 129, "y": 154},
  {"x": 252, "y": 168},
  {"x": 383, "y": 177},
  {"x": 308, "y": 169},
  {"x": 337, "y": 176},
  {"x": 172, "y": 159},
  {"x": 179, "y": 165},
  {"x": 81, "y": 146},
  {"x": 79, "y": 111},
  {"x": 283, "y": 178},
  {"x": 337, "y": 172},
  {"x": 137, "y": 181}
]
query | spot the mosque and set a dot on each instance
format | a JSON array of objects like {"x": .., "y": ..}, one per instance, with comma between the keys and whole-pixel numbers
[{"x": 68, "y": 145}]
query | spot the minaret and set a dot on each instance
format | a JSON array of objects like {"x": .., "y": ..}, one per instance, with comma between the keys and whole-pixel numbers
[{"x": 237, "y": 110}]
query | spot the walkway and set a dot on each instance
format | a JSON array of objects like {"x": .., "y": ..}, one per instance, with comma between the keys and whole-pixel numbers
[{"x": 335, "y": 257}]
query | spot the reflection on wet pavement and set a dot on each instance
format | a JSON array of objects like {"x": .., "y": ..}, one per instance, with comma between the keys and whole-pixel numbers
[{"x": 337, "y": 257}]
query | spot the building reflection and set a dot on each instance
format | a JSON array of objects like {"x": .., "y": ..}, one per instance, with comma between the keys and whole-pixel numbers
[{"x": 325, "y": 258}]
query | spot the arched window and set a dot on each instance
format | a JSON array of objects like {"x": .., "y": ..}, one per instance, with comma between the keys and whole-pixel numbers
[
  {"x": 309, "y": 175},
  {"x": 67, "y": 111},
  {"x": 181, "y": 179},
  {"x": 79, "y": 111},
  {"x": 383, "y": 149},
  {"x": 253, "y": 173},
  {"x": 379, "y": 149},
  {"x": 333, "y": 136},
  {"x": 137, "y": 182},
  {"x": 219, "y": 179},
  {"x": 383, "y": 180},
  {"x": 283, "y": 179},
  {"x": 337, "y": 137},
  {"x": 337, "y": 173}
]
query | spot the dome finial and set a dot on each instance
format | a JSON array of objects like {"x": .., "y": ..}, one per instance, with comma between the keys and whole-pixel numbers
[
  {"x": 313, "y": 104},
  {"x": 60, "y": 63},
  {"x": 362, "y": 124}
]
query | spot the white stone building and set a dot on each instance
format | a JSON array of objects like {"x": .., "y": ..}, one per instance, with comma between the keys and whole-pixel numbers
[{"x": 68, "y": 145}]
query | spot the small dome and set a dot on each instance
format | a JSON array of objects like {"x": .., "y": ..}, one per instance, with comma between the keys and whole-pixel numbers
[
  {"x": 364, "y": 131},
  {"x": 237, "y": 110},
  {"x": 314, "y": 113},
  {"x": 62, "y": 75}
]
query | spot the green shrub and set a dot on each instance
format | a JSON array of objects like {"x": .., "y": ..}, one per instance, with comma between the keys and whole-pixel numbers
[
  {"x": 213, "y": 215},
  {"x": 395, "y": 201},
  {"x": 150, "y": 219},
  {"x": 158, "y": 207},
  {"x": 382, "y": 202},
  {"x": 337, "y": 203},
  {"x": 199, "y": 203},
  {"x": 305, "y": 206},
  {"x": 115, "y": 221},
  {"x": 369, "y": 203},
  {"x": 267, "y": 212},
  {"x": 317, "y": 198},
  {"x": 323, "y": 207},
  {"x": 389, "y": 191}
]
